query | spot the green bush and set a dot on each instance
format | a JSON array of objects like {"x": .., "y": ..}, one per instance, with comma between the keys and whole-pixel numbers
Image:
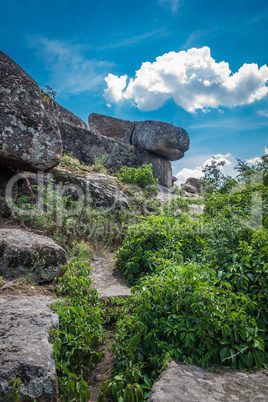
[
  {"x": 80, "y": 332},
  {"x": 182, "y": 314},
  {"x": 142, "y": 177}
]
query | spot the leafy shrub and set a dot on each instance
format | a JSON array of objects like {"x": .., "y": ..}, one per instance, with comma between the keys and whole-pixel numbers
[
  {"x": 148, "y": 245},
  {"x": 80, "y": 332},
  {"x": 142, "y": 177},
  {"x": 181, "y": 314}
]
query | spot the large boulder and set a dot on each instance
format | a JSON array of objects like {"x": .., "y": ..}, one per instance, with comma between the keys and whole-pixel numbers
[
  {"x": 187, "y": 383},
  {"x": 110, "y": 127},
  {"x": 161, "y": 138},
  {"x": 30, "y": 139},
  {"x": 192, "y": 185},
  {"x": 23, "y": 253},
  {"x": 25, "y": 351}
]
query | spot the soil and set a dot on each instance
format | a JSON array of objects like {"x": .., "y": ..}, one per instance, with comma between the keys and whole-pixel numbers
[{"x": 102, "y": 370}]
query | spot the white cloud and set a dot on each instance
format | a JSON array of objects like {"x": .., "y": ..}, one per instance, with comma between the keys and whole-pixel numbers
[
  {"x": 71, "y": 70},
  {"x": 172, "y": 4},
  {"x": 197, "y": 173},
  {"x": 257, "y": 159},
  {"x": 193, "y": 79}
]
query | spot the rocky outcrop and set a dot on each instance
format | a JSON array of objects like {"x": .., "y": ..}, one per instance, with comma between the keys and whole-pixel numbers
[
  {"x": 25, "y": 351},
  {"x": 35, "y": 130},
  {"x": 187, "y": 383},
  {"x": 162, "y": 139},
  {"x": 23, "y": 253},
  {"x": 30, "y": 139},
  {"x": 87, "y": 146},
  {"x": 192, "y": 185},
  {"x": 118, "y": 129},
  {"x": 100, "y": 191}
]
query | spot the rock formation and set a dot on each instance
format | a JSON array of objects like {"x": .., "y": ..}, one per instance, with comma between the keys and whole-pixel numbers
[
  {"x": 186, "y": 382},
  {"x": 35, "y": 131},
  {"x": 25, "y": 351},
  {"x": 30, "y": 139},
  {"x": 192, "y": 185},
  {"x": 23, "y": 253}
]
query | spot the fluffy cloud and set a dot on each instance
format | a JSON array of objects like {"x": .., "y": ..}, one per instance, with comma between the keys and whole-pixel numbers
[
  {"x": 185, "y": 173},
  {"x": 193, "y": 79}
]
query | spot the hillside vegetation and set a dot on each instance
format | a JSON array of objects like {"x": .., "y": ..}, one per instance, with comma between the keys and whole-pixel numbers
[{"x": 199, "y": 286}]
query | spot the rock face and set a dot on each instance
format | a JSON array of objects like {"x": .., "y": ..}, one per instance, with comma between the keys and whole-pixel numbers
[
  {"x": 29, "y": 138},
  {"x": 120, "y": 130},
  {"x": 100, "y": 190},
  {"x": 187, "y": 383},
  {"x": 192, "y": 185},
  {"x": 25, "y": 351},
  {"x": 86, "y": 146},
  {"x": 35, "y": 131},
  {"x": 23, "y": 253},
  {"x": 160, "y": 138}
]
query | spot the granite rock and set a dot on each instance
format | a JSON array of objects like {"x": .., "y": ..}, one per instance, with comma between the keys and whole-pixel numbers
[
  {"x": 25, "y": 350},
  {"x": 29, "y": 138},
  {"x": 189, "y": 383},
  {"x": 23, "y": 253}
]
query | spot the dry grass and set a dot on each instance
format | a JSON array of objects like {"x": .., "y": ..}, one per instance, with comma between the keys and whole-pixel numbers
[{"x": 24, "y": 287}]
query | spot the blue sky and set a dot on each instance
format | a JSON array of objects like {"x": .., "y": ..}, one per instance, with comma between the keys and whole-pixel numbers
[{"x": 197, "y": 64}]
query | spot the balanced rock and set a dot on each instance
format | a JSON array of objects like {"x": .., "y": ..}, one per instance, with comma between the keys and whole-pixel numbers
[
  {"x": 189, "y": 383},
  {"x": 29, "y": 139},
  {"x": 25, "y": 351},
  {"x": 161, "y": 138},
  {"x": 23, "y": 253}
]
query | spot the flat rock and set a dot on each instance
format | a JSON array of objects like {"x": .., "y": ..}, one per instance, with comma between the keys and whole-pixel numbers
[
  {"x": 161, "y": 138},
  {"x": 108, "y": 281},
  {"x": 30, "y": 139},
  {"x": 25, "y": 351},
  {"x": 23, "y": 253},
  {"x": 188, "y": 383}
]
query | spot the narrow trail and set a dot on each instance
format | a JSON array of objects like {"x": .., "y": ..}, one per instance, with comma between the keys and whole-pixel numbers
[{"x": 106, "y": 279}]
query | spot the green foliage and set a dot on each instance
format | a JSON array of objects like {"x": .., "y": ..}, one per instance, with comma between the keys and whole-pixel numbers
[
  {"x": 80, "y": 332},
  {"x": 16, "y": 387},
  {"x": 68, "y": 161},
  {"x": 142, "y": 177},
  {"x": 48, "y": 93}
]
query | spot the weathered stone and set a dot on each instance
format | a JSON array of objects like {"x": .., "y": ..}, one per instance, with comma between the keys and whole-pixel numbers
[
  {"x": 23, "y": 253},
  {"x": 161, "y": 138},
  {"x": 101, "y": 191},
  {"x": 190, "y": 189},
  {"x": 110, "y": 127},
  {"x": 25, "y": 351},
  {"x": 63, "y": 115},
  {"x": 29, "y": 138},
  {"x": 87, "y": 146},
  {"x": 192, "y": 181},
  {"x": 108, "y": 281},
  {"x": 188, "y": 383}
]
